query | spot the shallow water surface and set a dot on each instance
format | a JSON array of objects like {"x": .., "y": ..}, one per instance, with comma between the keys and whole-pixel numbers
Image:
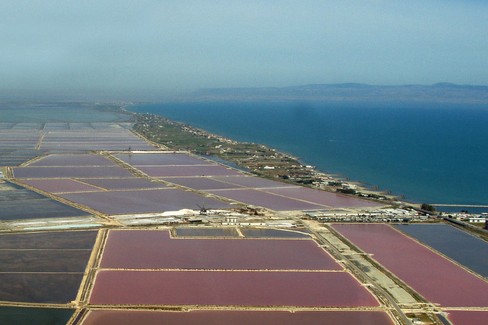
[{"x": 462, "y": 247}]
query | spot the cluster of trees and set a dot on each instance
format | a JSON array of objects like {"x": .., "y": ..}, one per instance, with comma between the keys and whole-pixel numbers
[{"x": 427, "y": 207}]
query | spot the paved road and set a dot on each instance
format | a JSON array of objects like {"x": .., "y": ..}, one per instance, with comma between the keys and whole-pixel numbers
[{"x": 334, "y": 251}]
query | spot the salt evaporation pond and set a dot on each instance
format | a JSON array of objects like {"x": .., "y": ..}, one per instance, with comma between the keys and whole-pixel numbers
[
  {"x": 462, "y": 247},
  {"x": 38, "y": 316},
  {"x": 206, "y": 232},
  {"x": 434, "y": 277},
  {"x": 113, "y": 317}
]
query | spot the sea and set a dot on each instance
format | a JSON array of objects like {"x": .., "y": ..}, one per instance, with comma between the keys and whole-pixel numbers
[{"x": 433, "y": 153}]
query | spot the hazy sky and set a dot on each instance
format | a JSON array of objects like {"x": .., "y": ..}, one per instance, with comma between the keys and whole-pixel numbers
[{"x": 178, "y": 44}]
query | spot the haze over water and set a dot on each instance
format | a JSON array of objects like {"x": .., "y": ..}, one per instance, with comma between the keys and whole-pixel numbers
[
  {"x": 108, "y": 50},
  {"x": 435, "y": 153}
]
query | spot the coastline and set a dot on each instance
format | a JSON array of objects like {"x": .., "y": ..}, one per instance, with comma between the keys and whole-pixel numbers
[
  {"x": 257, "y": 159},
  {"x": 416, "y": 151}
]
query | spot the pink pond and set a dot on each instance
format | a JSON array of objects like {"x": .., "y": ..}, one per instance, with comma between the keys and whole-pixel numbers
[
  {"x": 104, "y": 133},
  {"x": 267, "y": 200},
  {"x": 92, "y": 139},
  {"x": 201, "y": 183},
  {"x": 87, "y": 144},
  {"x": 162, "y": 159},
  {"x": 253, "y": 182},
  {"x": 70, "y": 172},
  {"x": 334, "y": 200},
  {"x": 119, "y": 317},
  {"x": 208, "y": 170},
  {"x": 123, "y": 183},
  {"x": 229, "y": 288},
  {"x": 73, "y": 160},
  {"x": 60, "y": 185},
  {"x": 458, "y": 317},
  {"x": 433, "y": 276},
  {"x": 152, "y": 249},
  {"x": 143, "y": 201}
]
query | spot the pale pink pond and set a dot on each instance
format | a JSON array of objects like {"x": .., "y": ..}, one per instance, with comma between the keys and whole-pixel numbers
[
  {"x": 143, "y": 201},
  {"x": 123, "y": 183},
  {"x": 124, "y": 317},
  {"x": 201, "y": 183},
  {"x": 161, "y": 159},
  {"x": 73, "y": 160},
  {"x": 334, "y": 200},
  {"x": 253, "y": 182},
  {"x": 433, "y": 276},
  {"x": 166, "y": 171},
  {"x": 229, "y": 288},
  {"x": 472, "y": 317},
  {"x": 70, "y": 172},
  {"x": 151, "y": 249},
  {"x": 267, "y": 200},
  {"x": 59, "y": 185}
]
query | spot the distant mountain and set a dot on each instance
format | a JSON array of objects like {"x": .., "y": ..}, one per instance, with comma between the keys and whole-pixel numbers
[{"x": 440, "y": 92}]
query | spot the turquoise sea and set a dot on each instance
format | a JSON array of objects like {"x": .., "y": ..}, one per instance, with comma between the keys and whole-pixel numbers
[{"x": 427, "y": 152}]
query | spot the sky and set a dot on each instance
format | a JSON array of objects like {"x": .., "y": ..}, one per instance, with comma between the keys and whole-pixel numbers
[{"x": 180, "y": 45}]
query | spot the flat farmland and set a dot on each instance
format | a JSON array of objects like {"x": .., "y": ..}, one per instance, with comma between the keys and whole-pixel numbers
[
  {"x": 156, "y": 250},
  {"x": 109, "y": 317},
  {"x": 236, "y": 288},
  {"x": 436, "y": 278}
]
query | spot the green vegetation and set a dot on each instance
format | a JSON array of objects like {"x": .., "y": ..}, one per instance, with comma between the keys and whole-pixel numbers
[
  {"x": 347, "y": 190},
  {"x": 256, "y": 158},
  {"x": 427, "y": 207}
]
